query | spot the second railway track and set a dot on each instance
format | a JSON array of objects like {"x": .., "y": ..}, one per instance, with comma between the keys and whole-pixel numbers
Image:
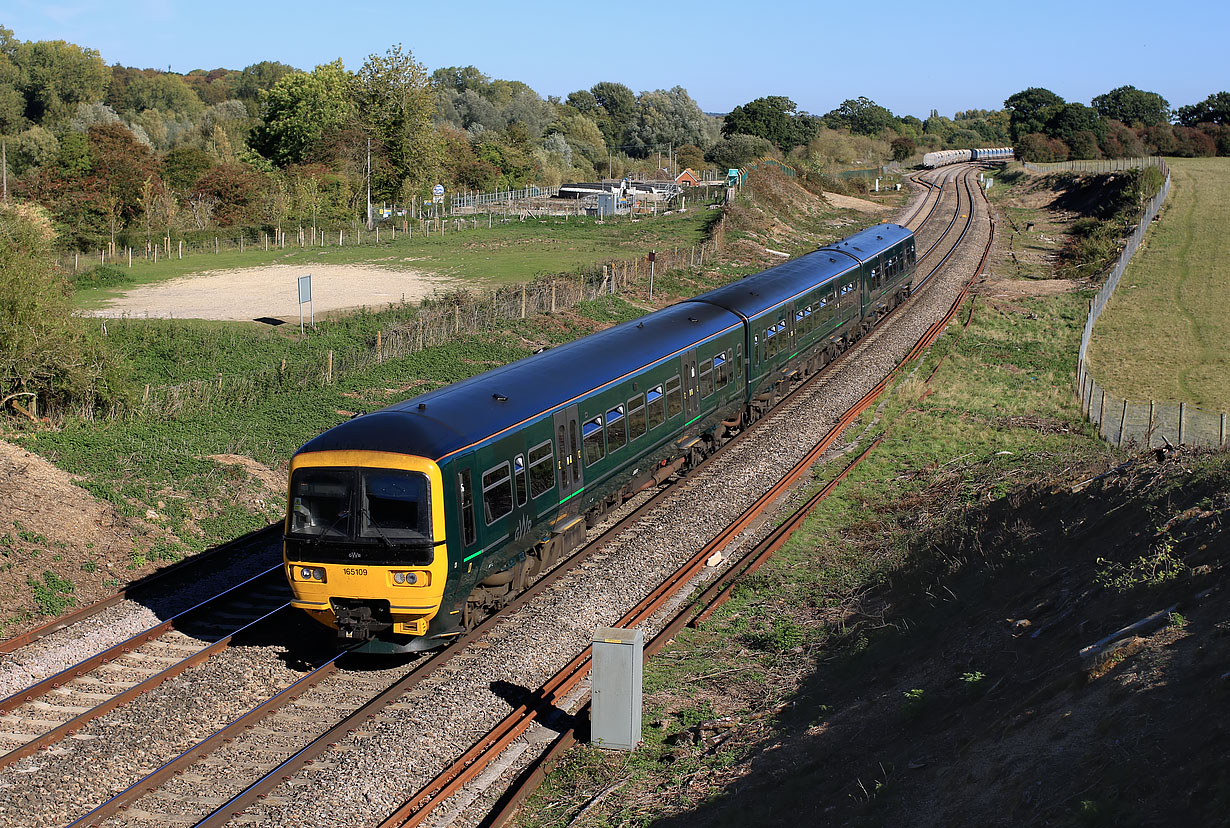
[{"x": 374, "y": 767}]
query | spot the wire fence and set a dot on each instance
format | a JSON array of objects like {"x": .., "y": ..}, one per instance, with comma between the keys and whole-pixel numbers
[
  {"x": 1122, "y": 421},
  {"x": 1101, "y": 165},
  {"x": 435, "y": 322}
]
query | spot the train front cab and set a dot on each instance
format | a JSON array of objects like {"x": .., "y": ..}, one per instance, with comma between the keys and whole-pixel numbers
[{"x": 365, "y": 543}]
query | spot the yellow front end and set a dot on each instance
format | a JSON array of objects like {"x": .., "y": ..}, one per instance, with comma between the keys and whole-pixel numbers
[{"x": 413, "y": 592}]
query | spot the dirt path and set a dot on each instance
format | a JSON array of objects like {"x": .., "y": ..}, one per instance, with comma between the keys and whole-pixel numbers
[{"x": 271, "y": 292}]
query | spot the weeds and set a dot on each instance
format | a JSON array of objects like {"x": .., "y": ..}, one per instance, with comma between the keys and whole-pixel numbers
[
  {"x": 51, "y": 593},
  {"x": 1151, "y": 570}
]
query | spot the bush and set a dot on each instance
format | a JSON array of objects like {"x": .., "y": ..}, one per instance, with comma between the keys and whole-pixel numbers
[
  {"x": 45, "y": 350},
  {"x": 103, "y": 276}
]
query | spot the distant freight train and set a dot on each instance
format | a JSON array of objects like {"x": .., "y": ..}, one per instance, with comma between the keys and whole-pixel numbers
[
  {"x": 408, "y": 525},
  {"x": 939, "y": 159}
]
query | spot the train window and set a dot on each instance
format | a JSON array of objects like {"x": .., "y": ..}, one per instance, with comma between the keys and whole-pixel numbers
[
  {"x": 542, "y": 476},
  {"x": 519, "y": 479},
  {"x": 575, "y": 456},
  {"x": 320, "y": 501},
  {"x": 595, "y": 449},
  {"x": 706, "y": 378},
  {"x": 465, "y": 493},
  {"x": 497, "y": 493},
  {"x": 875, "y": 279},
  {"x": 674, "y": 397},
  {"x": 721, "y": 370},
  {"x": 616, "y": 429},
  {"x": 739, "y": 360},
  {"x": 393, "y": 505},
  {"x": 770, "y": 341},
  {"x": 636, "y": 417},
  {"x": 657, "y": 407}
]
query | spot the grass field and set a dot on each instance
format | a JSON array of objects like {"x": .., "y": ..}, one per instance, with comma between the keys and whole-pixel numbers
[
  {"x": 1163, "y": 336},
  {"x": 505, "y": 253}
]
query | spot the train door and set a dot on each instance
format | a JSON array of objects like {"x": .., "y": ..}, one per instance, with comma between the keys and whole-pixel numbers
[
  {"x": 569, "y": 474},
  {"x": 691, "y": 385}
]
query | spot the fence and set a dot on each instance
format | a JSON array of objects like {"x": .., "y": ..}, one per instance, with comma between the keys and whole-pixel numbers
[
  {"x": 1101, "y": 165},
  {"x": 1122, "y": 421},
  {"x": 433, "y": 323},
  {"x": 469, "y": 201}
]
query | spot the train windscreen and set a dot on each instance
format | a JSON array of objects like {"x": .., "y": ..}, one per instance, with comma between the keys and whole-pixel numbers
[{"x": 387, "y": 507}]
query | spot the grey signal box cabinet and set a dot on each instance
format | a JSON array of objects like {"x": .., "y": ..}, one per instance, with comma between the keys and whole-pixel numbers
[{"x": 615, "y": 714}]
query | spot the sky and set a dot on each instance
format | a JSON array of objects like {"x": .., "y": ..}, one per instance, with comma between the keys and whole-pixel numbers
[{"x": 908, "y": 57}]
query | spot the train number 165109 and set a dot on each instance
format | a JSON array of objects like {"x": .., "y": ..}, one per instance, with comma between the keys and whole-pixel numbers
[{"x": 348, "y": 570}]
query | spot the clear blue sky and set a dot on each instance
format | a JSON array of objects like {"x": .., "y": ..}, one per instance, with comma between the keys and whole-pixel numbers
[{"x": 724, "y": 53}]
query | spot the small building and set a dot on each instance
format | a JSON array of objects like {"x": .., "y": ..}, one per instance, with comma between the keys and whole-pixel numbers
[{"x": 687, "y": 178}]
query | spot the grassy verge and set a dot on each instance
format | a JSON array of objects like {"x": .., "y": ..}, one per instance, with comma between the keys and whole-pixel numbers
[
  {"x": 1163, "y": 335},
  {"x": 505, "y": 253},
  {"x": 725, "y": 700}
]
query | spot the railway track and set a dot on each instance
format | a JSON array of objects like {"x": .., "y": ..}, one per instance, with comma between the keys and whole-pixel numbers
[
  {"x": 418, "y": 808},
  {"x": 209, "y": 791}
]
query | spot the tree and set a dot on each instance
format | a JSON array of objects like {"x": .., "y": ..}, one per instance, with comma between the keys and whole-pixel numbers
[
  {"x": 902, "y": 148},
  {"x": 668, "y": 117},
  {"x": 56, "y": 76},
  {"x": 734, "y": 151},
  {"x": 1030, "y": 109},
  {"x": 183, "y": 167},
  {"x": 1067, "y": 120},
  {"x": 259, "y": 78},
  {"x": 1133, "y": 106},
  {"x": 394, "y": 106},
  {"x": 12, "y": 102},
  {"x": 1215, "y": 109},
  {"x": 157, "y": 90},
  {"x": 617, "y": 106},
  {"x": 235, "y": 190},
  {"x": 123, "y": 162},
  {"x": 299, "y": 109},
  {"x": 45, "y": 350},
  {"x": 862, "y": 116},
  {"x": 690, "y": 156},
  {"x": 774, "y": 119}
]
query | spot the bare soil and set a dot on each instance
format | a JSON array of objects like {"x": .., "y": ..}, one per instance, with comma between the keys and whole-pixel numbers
[
  {"x": 50, "y": 524},
  {"x": 962, "y": 693},
  {"x": 271, "y": 292}
]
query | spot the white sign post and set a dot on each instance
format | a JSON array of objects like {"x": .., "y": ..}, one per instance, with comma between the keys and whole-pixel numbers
[{"x": 305, "y": 295}]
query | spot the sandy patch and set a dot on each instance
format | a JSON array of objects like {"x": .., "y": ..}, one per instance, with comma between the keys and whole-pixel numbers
[
  {"x": 1011, "y": 288},
  {"x": 272, "y": 292},
  {"x": 851, "y": 203}
]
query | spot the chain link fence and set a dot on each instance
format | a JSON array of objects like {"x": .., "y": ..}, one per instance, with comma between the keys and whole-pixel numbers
[{"x": 1121, "y": 421}]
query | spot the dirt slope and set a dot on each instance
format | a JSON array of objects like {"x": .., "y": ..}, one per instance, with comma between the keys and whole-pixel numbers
[{"x": 963, "y": 699}]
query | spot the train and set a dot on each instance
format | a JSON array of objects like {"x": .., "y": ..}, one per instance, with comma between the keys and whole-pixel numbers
[
  {"x": 931, "y": 160},
  {"x": 407, "y": 526}
]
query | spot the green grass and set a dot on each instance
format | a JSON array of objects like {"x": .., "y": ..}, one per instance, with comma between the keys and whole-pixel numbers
[
  {"x": 1163, "y": 335},
  {"x": 506, "y": 253}
]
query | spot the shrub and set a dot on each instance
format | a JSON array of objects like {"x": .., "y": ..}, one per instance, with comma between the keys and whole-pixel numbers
[{"x": 44, "y": 349}]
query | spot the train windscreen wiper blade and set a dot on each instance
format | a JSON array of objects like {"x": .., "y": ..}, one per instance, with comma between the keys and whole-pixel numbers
[{"x": 372, "y": 523}]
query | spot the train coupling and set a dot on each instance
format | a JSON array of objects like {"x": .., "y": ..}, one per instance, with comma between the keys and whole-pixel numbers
[{"x": 358, "y": 623}]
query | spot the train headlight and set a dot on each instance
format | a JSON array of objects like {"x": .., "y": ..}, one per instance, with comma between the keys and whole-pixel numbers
[
  {"x": 306, "y": 573},
  {"x": 399, "y": 577},
  {"x": 318, "y": 573},
  {"x": 405, "y": 578}
]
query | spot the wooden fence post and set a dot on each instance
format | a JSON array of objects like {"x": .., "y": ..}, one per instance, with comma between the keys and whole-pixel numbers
[
  {"x": 522, "y": 300},
  {"x": 552, "y": 296},
  {"x": 379, "y": 352},
  {"x": 329, "y": 369}
]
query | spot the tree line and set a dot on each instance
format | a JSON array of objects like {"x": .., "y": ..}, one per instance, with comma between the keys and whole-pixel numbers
[{"x": 125, "y": 156}]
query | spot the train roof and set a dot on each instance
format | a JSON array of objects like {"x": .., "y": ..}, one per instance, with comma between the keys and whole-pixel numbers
[
  {"x": 458, "y": 416},
  {"x": 755, "y": 294},
  {"x": 870, "y": 242}
]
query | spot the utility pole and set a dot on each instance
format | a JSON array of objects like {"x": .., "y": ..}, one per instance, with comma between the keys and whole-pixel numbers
[{"x": 369, "y": 182}]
